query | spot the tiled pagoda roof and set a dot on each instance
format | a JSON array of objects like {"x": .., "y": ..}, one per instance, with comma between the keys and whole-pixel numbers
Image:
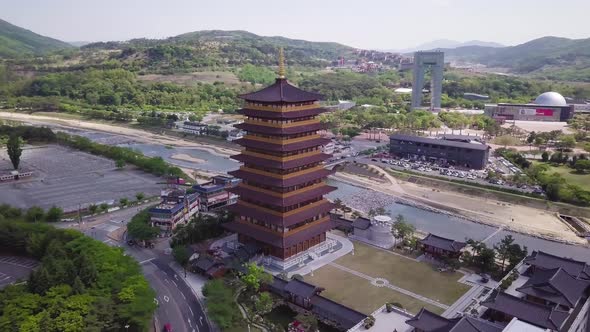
[{"x": 281, "y": 92}]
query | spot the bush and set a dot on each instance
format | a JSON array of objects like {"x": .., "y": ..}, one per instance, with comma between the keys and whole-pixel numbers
[{"x": 54, "y": 214}]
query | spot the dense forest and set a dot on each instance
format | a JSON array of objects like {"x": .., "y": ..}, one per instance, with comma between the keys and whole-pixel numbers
[{"x": 81, "y": 285}]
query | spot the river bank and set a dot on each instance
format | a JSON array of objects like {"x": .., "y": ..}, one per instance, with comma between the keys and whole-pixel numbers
[{"x": 137, "y": 135}]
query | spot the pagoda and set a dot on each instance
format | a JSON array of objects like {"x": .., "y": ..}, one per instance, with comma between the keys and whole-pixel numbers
[{"x": 281, "y": 209}]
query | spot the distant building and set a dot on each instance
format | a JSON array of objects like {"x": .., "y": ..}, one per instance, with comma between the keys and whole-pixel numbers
[
  {"x": 195, "y": 128},
  {"x": 457, "y": 150},
  {"x": 475, "y": 96},
  {"x": 345, "y": 104},
  {"x": 176, "y": 207},
  {"x": 214, "y": 195},
  {"x": 549, "y": 106}
]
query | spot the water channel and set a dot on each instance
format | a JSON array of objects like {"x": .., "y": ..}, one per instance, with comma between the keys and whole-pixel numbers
[{"x": 425, "y": 221}]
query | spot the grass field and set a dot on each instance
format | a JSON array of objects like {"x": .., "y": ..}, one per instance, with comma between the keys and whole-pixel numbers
[
  {"x": 420, "y": 278},
  {"x": 359, "y": 294},
  {"x": 569, "y": 174}
]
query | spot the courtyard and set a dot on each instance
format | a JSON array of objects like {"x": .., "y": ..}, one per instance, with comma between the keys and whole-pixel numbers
[
  {"x": 68, "y": 178},
  {"x": 371, "y": 277}
]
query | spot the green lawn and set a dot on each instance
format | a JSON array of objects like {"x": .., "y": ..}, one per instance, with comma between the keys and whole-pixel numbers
[
  {"x": 420, "y": 278},
  {"x": 359, "y": 294},
  {"x": 569, "y": 174}
]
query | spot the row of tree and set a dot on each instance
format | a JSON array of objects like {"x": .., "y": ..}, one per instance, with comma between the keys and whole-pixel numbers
[{"x": 33, "y": 214}]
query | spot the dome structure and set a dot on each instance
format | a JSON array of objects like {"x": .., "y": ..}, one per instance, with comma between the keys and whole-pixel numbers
[{"x": 551, "y": 99}]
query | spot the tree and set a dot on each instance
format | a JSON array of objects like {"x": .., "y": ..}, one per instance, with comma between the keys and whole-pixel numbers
[
  {"x": 34, "y": 214},
  {"x": 308, "y": 320},
  {"x": 545, "y": 156},
  {"x": 93, "y": 208},
  {"x": 402, "y": 229},
  {"x": 181, "y": 254},
  {"x": 582, "y": 165},
  {"x": 120, "y": 163},
  {"x": 566, "y": 142},
  {"x": 139, "y": 227},
  {"x": 103, "y": 206},
  {"x": 140, "y": 196},
  {"x": 14, "y": 150},
  {"x": 124, "y": 201},
  {"x": 503, "y": 249},
  {"x": 54, "y": 214},
  {"x": 255, "y": 276},
  {"x": 380, "y": 211},
  {"x": 263, "y": 303}
]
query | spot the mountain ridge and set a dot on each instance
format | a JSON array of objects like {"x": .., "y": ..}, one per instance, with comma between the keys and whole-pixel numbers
[{"x": 16, "y": 41}]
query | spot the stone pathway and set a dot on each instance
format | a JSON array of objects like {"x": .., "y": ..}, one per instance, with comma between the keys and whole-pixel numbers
[{"x": 381, "y": 282}]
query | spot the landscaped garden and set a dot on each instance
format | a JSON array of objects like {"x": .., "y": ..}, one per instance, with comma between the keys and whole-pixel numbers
[{"x": 358, "y": 293}]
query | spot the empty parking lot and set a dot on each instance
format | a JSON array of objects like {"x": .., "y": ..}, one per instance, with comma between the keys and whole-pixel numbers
[{"x": 69, "y": 178}]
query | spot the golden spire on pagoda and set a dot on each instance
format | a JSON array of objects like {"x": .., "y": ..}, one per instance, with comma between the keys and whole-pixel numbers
[{"x": 281, "y": 63}]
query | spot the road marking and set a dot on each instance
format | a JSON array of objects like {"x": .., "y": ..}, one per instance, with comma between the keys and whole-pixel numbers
[
  {"x": 176, "y": 276},
  {"x": 174, "y": 282},
  {"x": 201, "y": 320},
  {"x": 147, "y": 260},
  {"x": 166, "y": 280},
  {"x": 191, "y": 310},
  {"x": 501, "y": 228},
  {"x": 184, "y": 297},
  {"x": 156, "y": 301},
  {"x": 189, "y": 323},
  {"x": 166, "y": 298}
]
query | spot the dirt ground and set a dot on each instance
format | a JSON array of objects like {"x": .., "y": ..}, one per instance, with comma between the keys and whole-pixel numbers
[
  {"x": 194, "y": 78},
  {"x": 518, "y": 218}
]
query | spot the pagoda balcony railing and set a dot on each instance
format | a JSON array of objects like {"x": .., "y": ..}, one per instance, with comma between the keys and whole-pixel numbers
[
  {"x": 283, "y": 214},
  {"x": 281, "y": 159},
  {"x": 280, "y": 108},
  {"x": 281, "y": 124},
  {"x": 289, "y": 233},
  {"x": 282, "y": 176},
  {"x": 282, "y": 141},
  {"x": 283, "y": 195}
]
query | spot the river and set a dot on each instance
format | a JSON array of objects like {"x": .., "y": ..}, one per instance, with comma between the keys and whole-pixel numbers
[{"x": 425, "y": 221}]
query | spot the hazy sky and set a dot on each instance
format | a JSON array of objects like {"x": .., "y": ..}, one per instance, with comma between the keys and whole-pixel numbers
[{"x": 382, "y": 24}]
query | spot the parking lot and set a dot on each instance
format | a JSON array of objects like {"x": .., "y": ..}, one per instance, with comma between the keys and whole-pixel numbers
[
  {"x": 14, "y": 269},
  {"x": 498, "y": 165},
  {"x": 70, "y": 178}
]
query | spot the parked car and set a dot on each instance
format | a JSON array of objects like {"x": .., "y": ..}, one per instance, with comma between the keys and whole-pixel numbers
[{"x": 167, "y": 327}]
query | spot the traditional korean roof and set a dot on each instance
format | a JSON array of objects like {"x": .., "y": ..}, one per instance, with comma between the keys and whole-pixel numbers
[
  {"x": 281, "y": 164},
  {"x": 361, "y": 223},
  {"x": 546, "y": 261},
  {"x": 472, "y": 324},
  {"x": 556, "y": 286},
  {"x": 283, "y": 183},
  {"x": 443, "y": 243},
  {"x": 302, "y": 288},
  {"x": 275, "y": 239},
  {"x": 346, "y": 317},
  {"x": 286, "y": 221},
  {"x": 281, "y": 115},
  {"x": 533, "y": 313},
  {"x": 429, "y": 321},
  {"x": 278, "y": 130},
  {"x": 281, "y": 92},
  {"x": 282, "y": 201},
  {"x": 203, "y": 263},
  {"x": 282, "y": 147}
]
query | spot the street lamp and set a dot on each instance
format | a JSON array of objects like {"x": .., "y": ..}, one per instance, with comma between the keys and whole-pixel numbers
[{"x": 127, "y": 327}]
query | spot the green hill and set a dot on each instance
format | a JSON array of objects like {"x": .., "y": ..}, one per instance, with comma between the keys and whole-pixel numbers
[
  {"x": 550, "y": 57},
  {"x": 16, "y": 41},
  {"x": 216, "y": 48}
]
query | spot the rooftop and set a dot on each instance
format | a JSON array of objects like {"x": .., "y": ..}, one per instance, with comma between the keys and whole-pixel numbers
[
  {"x": 473, "y": 145},
  {"x": 429, "y": 321},
  {"x": 361, "y": 223},
  {"x": 281, "y": 92},
  {"x": 555, "y": 285},
  {"x": 546, "y": 261},
  {"x": 537, "y": 314},
  {"x": 443, "y": 243}
]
